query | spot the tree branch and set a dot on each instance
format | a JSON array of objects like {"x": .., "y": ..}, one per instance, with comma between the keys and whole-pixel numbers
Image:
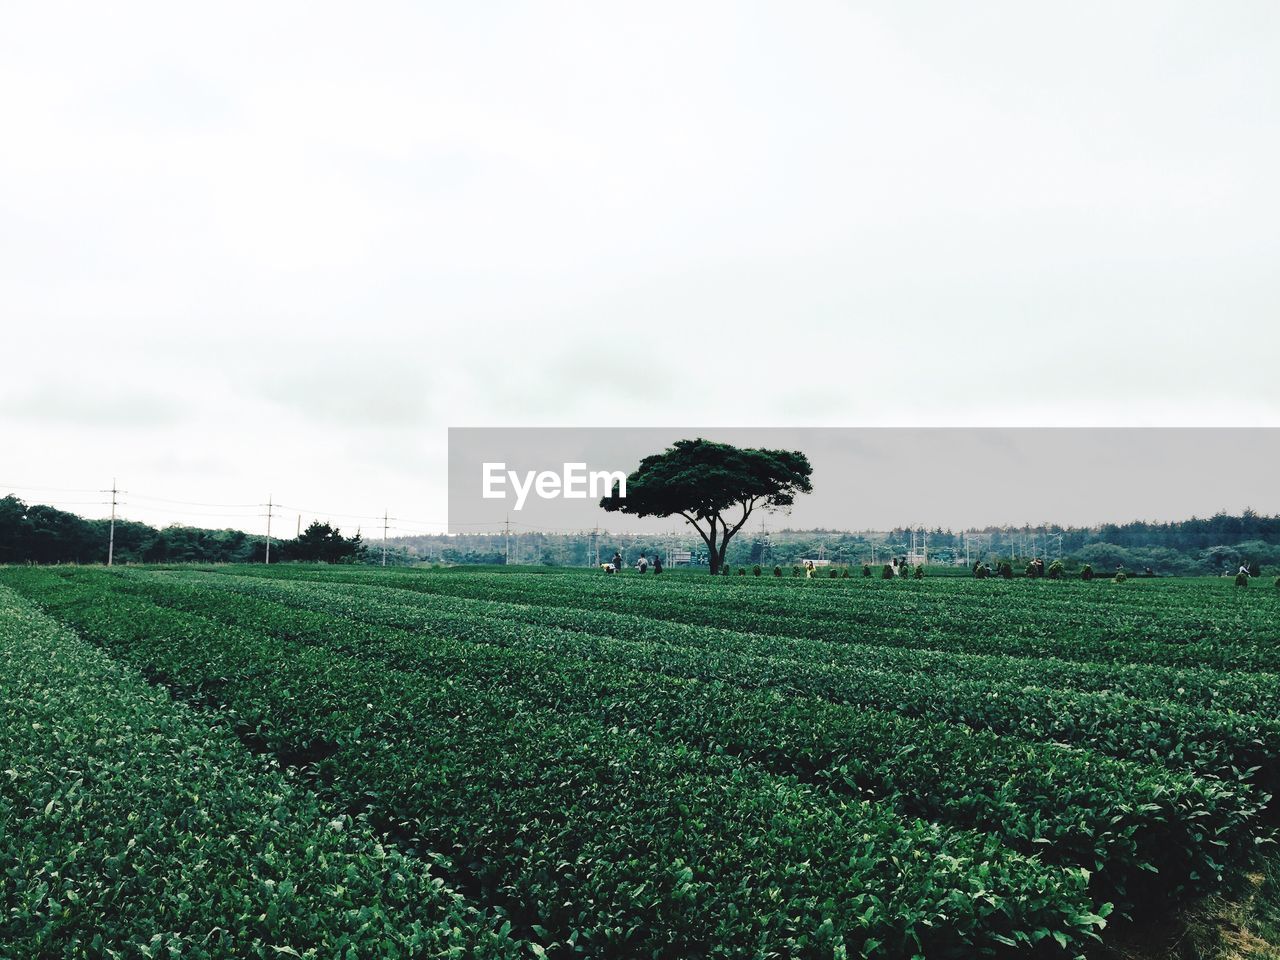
[
  {"x": 747, "y": 507},
  {"x": 694, "y": 523}
]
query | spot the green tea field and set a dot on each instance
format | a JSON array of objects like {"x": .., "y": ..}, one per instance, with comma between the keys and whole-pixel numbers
[{"x": 310, "y": 761}]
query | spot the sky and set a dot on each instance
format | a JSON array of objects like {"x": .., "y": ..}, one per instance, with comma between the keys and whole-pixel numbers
[{"x": 277, "y": 250}]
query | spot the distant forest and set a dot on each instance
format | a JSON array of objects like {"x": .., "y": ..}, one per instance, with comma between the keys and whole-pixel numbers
[
  {"x": 1195, "y": 546},
  {"x": 41, "y": 534}
]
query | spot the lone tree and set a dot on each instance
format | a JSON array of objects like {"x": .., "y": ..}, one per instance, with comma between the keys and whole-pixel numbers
[
  {"x": 707, "y": 483},
  {"x": 321, "y": 543}
]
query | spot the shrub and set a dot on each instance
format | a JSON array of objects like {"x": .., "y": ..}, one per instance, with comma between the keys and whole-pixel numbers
[
  {"x": 777, "y": 571},
  {"x": 795, "y": 571},
  {"x": 1242, "y": 579},
  {"x": 1086, "y": 572},
  {"x": 844, "y": 574},
  {"x": 742, "y": 571},
  {"x": 1278, "y": 583},
  {"x": 756, "y": 570},
  {"x": 1031, "y": 570},
  {"x": 1120, "y": 576},
  {"x": 1055, "y": 570},
  {"x": 866, "y": 569},
  {"x": 887, "y": 572},
  {"x": 833, "y": 573},
  {"x": 919, "y": 572}
]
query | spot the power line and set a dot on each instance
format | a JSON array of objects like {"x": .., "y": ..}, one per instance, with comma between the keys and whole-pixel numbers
[
  {"x": 71, "y": 503},
  {"x": 17, "y": 486},
  {"x": 329, "y": 513},
  {"x": 214, "y": 513},
  {"x": 409, "y": 520},
  {"x": 194, "y": 503}
]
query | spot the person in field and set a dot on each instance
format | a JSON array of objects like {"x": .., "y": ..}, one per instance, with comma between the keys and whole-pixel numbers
[
  {"x": 642, "y": 565},
  {"x": 657, "y": 564},
  {"x": 617, "y": 560},
  {"x": 808, "y": 569}
]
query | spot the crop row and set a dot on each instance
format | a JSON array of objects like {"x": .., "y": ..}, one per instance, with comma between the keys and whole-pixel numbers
[
  {"x": 129, "y": 827},
  {"x": 1229, "y": 745},
  {"x": 1122, "y": 820},
  {"x": 1026, "y": 618},
  {"x": 600, "y": 841},
  {"x": 1211, "y": 688},
  {"x": 1176, "y": 611}
]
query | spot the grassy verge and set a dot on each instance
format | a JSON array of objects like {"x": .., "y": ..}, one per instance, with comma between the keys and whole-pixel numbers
[{"x": 1243, "y": 924}]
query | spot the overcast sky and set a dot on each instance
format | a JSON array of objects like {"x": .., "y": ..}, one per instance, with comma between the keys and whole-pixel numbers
[{"x": 252, "y": 249}]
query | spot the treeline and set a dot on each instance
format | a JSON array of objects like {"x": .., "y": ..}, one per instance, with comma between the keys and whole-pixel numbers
[
  {"x": 42, "y": 534},
  {"x": 1195, "y": 546},
  {"x": 37, "y": 533},
  {"x": 1199, "y": 545},
  {"x": 1184, "y": 536}
]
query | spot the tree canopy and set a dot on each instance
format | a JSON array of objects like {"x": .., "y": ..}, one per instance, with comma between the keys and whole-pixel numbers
[
  {"x": 715, "y": 487},
  {"x": 321, "y": 543}
]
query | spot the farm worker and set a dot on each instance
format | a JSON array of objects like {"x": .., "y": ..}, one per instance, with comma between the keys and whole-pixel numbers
[
  {"x": 617, "y": 560},
  {"x": 657, "y": 564},
  {"x": 808, "y": 569},
  {"x": 1243, "y": 569},
  {"x": 642, "y": 564}
]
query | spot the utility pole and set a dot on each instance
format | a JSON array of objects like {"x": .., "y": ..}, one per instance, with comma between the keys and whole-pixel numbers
[
  {"x": 384, "y": 536},
  {"x": 268, "y": 528},
  {"x": 506, "y": 541},
  {"x": 111, "y": 537}
]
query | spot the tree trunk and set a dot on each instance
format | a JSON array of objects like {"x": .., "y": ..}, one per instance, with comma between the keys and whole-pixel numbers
[{"x": 714, "y": 560}]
